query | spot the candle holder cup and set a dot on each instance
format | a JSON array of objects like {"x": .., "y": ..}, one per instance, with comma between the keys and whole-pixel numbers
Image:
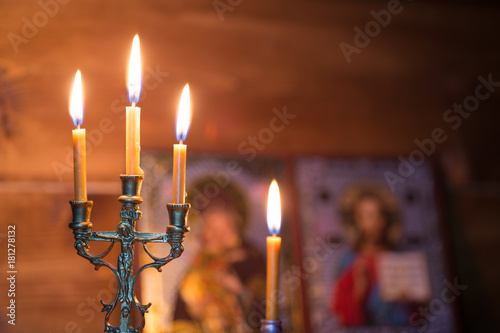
[
  {"x": 271, "y": 326},
  {"x": 127, "y": 236}
]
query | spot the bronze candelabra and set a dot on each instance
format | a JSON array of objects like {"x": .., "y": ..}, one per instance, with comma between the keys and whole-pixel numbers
[{"x": 127, "y": 236}]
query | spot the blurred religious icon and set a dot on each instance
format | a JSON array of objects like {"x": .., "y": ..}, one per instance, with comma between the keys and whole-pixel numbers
[
  {"x": 226, "y": 281},
  {"x": 375, "y": 284}
]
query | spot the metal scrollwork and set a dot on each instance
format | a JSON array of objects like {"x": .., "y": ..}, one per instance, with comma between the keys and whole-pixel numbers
[{"x": 127, "y": 236}]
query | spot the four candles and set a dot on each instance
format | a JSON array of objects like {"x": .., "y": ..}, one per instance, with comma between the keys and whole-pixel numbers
[{"x": 133, "y": 149}]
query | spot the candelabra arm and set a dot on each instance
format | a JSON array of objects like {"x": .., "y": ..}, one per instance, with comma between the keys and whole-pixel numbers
[
  {"x": 174, "y": 236},
  {"x": 104, "y": 236},
  {"x": 147, "y": 237}
]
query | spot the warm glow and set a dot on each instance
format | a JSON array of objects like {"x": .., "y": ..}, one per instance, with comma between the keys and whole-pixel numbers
[
  {"x": 274, "y": 209},
  {"x": 76, "y": 100},
  {"x": 183, "y": 115},
  {"x": 134, "y": 80}
]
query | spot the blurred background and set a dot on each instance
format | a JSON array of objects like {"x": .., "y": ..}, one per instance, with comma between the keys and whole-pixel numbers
[{"x": 361, "y": 79}]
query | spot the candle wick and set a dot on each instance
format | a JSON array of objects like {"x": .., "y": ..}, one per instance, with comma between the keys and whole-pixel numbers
[
  {"x": 133, "y": 104},
  {"x": 78, "y": 126},
  {"x": 180, "y": 142}
]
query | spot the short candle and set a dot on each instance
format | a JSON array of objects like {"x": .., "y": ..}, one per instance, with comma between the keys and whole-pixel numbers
[{"x": 179, "y": 164}]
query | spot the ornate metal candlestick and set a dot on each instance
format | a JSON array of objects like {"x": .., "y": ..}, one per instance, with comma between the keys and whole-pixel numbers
[
  {"x": 271, "y": 326},
  {"x": 127, "y": 236}
]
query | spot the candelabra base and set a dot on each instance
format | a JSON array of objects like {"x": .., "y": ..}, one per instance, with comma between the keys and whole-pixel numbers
[{"x": 271, "y": 326}]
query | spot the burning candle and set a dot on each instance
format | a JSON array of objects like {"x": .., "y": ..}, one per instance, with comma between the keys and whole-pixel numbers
[
  {"x": 273, "y": 251},
  {"x": 182, "y": 127},
  {"x": 133, "y": 113},
  {"x": 79, "y": 146}
]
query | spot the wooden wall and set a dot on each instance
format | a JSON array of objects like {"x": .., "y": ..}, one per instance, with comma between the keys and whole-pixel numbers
[{"x": 257, "y": 56}]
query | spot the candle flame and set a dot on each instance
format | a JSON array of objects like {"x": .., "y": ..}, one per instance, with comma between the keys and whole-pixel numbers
[
  {"x": 183, "y": 115},
  {"x": 274, "y": 209},
  {"x": 134, "y": 80},
  {"x": 76, "y": 100}
]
